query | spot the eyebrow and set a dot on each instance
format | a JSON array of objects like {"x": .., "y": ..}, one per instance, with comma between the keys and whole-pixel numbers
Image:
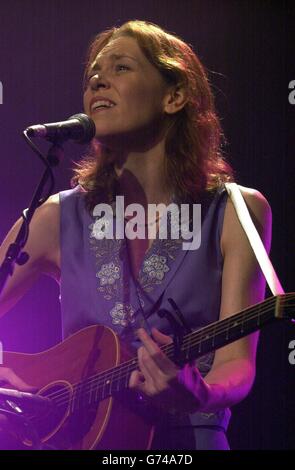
[{"x": 96, "y": 66}]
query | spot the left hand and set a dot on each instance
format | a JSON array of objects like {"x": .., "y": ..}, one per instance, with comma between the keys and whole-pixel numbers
[{"x": 169, "y": 387}]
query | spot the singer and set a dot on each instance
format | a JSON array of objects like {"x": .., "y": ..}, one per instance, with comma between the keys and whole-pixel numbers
[{"x": 157, "y": 140}]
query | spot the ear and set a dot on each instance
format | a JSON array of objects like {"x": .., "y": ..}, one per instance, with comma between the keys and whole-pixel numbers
[{"x": 175, "y": 99}]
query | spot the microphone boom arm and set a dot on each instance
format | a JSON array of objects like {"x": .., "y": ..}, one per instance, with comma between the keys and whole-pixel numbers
[
  {"x": 78, "y": 127},
  {"x": 14, "y": 253}
]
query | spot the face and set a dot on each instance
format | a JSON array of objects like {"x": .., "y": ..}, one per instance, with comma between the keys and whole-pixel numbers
[{"x": 122, "y": 74}]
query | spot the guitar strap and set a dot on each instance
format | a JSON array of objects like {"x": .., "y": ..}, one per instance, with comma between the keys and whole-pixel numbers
[{"x": 254, "y": 238}]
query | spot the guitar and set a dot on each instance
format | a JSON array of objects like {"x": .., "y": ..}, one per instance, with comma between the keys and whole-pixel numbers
[{"x": 86, "y": 378}]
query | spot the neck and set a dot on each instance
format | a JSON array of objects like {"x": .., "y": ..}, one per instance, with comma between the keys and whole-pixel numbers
[{"x": 142, "y": 176}]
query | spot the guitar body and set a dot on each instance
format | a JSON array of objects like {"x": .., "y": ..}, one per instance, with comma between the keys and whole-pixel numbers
[
  {"x": 117, "y": 422},
  {"x": 86, "y": 379}
]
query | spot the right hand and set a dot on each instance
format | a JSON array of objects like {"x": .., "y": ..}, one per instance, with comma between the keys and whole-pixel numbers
[
  {"x": 9, "y": 379},
  {"x": 9, "y": 438}
]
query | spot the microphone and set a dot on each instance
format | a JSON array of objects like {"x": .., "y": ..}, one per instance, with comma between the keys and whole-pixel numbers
[
  {"x": 78, "y": 127},
  {"x": 27, "y": 402}
]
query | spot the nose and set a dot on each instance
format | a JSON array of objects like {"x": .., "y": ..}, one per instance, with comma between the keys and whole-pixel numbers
[{"x": 97, "y": 81}]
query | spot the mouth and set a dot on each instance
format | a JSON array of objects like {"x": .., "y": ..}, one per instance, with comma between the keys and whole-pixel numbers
[{"x": 100, "y": 104}]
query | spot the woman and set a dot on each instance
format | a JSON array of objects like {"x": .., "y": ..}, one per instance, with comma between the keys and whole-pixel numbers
[{"x": 157, "y": 141}]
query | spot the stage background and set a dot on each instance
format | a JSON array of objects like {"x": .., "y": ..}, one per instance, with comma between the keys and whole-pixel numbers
[{"x": 247, "y": 48}]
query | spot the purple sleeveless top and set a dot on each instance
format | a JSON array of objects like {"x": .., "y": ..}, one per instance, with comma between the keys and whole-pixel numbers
[{"x": 98, "y": 287}]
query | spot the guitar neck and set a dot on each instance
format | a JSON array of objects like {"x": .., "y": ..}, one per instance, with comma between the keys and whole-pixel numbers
[
  {"x": 221, "y": 333},
  {"x": 200, "y": 342}
]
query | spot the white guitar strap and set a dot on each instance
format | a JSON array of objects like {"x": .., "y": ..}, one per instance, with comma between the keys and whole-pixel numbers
[{"x": 254, "y": 238}]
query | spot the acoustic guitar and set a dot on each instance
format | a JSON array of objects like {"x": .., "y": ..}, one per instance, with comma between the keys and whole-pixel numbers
[{"x": 86, "y": 379}]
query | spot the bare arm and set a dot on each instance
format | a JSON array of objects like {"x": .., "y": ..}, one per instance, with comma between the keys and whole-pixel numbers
[
  {"x": 243, "y": 284},
  {"x": 43, "y": 249}
]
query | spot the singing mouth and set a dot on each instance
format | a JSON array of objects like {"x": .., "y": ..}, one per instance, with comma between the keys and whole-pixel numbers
[{"x": 101, "y": 105}]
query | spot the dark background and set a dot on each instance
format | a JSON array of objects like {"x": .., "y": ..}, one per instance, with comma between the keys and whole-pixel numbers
[{"x": 247, "y": 48}]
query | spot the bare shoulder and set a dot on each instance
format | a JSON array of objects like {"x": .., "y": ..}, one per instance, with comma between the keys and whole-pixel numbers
[
  {"x": 43, "y": 249},
  {"x": 257, "y": 203},
  {"x": 261, "y": 214},
  {"x": 50, "y": 208},
  {"x": 43, "y": 240},
  {"x": 45, "y": 219},
  {"x": 45, "y": 223}
]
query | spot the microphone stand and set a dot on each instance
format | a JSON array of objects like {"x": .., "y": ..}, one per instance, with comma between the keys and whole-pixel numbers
[
  {"x": 14, "y": 253},
  {"x": 15, "y": 416}
]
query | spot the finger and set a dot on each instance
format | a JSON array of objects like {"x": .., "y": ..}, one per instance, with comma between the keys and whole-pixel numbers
[
  {"x": 148, "y": 368},
  {"x": 142, "y": 383},
  {"x": 14, "y": 380},
  {"x": 160, "y": 338},
  {"x": 136, "y": 380},
  {"x": 157, "y": 380},
  {"x": 158, "y": 356},
  {"x": 150, "y": 345}
]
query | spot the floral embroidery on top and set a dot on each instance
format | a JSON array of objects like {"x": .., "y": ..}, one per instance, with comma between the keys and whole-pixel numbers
[
  {"x": 155, "y": 266},
  {"x": 107, "y": 256},
  {"x": 108, "y": 274},
  {"x": 122, "y": 314},
  {"x": 111, "y": 257}
]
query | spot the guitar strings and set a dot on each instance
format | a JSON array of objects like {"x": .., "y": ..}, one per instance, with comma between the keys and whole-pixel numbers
[
  {"x": 98, "y": 378},
  {"x": 101, "y": 377},
  {"x": 61, "y": 398}
]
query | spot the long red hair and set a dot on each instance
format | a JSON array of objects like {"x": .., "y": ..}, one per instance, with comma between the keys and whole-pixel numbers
[{"x": 194, "y": 161}]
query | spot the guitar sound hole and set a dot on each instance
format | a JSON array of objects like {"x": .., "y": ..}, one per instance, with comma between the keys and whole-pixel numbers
[
  {"x": 64, "y": 427},
  {"x": 50, "y": 423}
]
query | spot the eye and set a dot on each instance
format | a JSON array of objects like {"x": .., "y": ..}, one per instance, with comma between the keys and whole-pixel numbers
[
  {"x": 120, "y": 67},
  {"x": 87, "y": 80}
]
